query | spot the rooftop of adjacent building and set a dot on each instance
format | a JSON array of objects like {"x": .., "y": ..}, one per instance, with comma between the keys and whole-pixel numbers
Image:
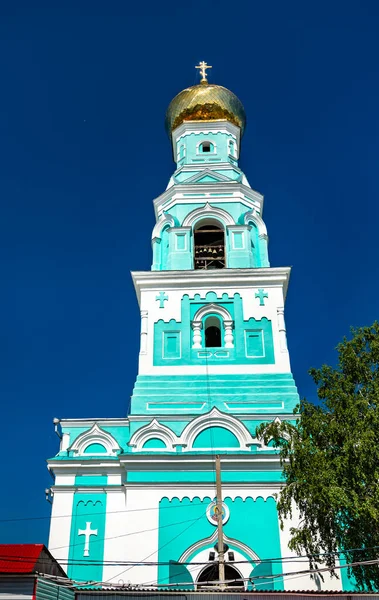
[{"x": 28, "y": 559}]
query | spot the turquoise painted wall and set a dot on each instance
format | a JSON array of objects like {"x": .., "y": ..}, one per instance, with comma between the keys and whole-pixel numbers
[
  {"x": 243, "y": 246},
  {"x": 95, "y": 449},
  {"x": 253, "y": 339},
  {"x": 203, "y": 476},
  {"x": 189, "y": 151},
  {"x": 87, "y": 508},
  {"x": 238, "y": 395},
  {"x": 154, "y": 443},
  {"x": 253, "y": 523},
  {"x": 216, "y": 437}
]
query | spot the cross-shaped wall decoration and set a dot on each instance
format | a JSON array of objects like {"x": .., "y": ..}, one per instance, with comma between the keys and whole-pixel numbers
[
  {"x": 87, "y": 532},
  {"x": 161, "y": 298},
  {"x": 261, "y": 294}
]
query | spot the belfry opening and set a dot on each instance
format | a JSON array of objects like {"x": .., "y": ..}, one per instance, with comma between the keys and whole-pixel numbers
[{"x": 209, "y": 247}]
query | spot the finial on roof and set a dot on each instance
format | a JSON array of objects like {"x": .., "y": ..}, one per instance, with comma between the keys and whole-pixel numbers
[{"x": 203, "y": 71}]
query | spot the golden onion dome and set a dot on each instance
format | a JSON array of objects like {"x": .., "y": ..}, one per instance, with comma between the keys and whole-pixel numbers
[{"x": 205, "y": 102}]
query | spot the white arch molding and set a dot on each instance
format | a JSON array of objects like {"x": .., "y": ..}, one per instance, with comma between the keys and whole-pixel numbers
[
  {"x": 153, "y": 430},
  {"x": 95, "y": 435},
  {"x": 199, "y": 552},
  {"x": 207, "y": 212},
  {"x": 225, "y": 316},
  {"x": 216, "y": 418},
  {"x": 164, "y": 221},
  {"x": 252, "y": 216}
]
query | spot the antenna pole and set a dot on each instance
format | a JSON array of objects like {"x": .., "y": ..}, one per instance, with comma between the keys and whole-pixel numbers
[{"x": 221, "y": 558}]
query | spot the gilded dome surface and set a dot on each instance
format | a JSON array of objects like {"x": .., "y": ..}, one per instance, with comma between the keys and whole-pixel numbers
[{"x": 205, "y": 102}]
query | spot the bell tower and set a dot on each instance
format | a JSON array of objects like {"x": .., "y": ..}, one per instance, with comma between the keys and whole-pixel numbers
[
  {"x": 134, "y": 497},
  {"x": 212, "y": 308}
]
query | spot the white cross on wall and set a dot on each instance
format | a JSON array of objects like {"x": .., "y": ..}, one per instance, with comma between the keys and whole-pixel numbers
[{"x": 87, "y": 532}]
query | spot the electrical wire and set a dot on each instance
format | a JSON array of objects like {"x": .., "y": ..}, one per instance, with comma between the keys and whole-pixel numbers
[
  {"x": 290, "y": 576},
  {"x": 121, "y": 535},
  {"x": 291, "y": 559},
  {"x": 161, "y": 547},
  {"x": 111, "y": 512}
]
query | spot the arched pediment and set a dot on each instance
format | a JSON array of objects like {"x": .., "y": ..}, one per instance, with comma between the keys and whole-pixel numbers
[
  {"x": 252, "y": 216},
  {"x": 216, "y": 418},
  {"x": 189, "y": 554},
  {"x": 153, "y": 430},
  {"x": 164, "y": 221},
  {"x": 207, "y": 212},
  {"x": 284, "y": 435},
  {"x": 212, "y": 308},
  {"x": 97, "y": 438}
]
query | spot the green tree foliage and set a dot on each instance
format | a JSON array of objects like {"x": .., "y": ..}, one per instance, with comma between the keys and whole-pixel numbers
[{"x": 330, "y": 460}]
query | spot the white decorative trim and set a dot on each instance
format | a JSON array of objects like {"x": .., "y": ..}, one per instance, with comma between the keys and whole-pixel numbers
[
  {"x": 216, "y": 418},
  {"x": 144, "y": 331},
  {"x": 208, "y": 211},
  {"x": 163, "y": 221},
  {"x": 95, "y": 435},
  {"x": 205, "y": 142},
  {"x": 153, "y": 430},
  {"x": 212, "y": 308},
  {"x": 210, "y": 173},
  {"x": 225, "y": 316},
  {"x": 285, "y": 436},
  {"x": 252, "y": 215},
  {"x": 197, "y": 546}
]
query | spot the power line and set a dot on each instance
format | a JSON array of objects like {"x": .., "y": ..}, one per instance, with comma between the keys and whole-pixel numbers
[
  {"x": 290, "y": 575},
  {"x": 88, "y": 562},
  {"x": 111, "y": 512},
  {"x": 161, "y": 547},
  {"x": 122, "y": 535}
]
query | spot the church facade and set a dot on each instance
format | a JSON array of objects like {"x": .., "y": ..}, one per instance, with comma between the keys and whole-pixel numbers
[{"x": 134, "y": 497}]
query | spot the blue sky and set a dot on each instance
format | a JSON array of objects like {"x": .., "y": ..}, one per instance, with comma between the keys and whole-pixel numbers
[{"x": 83, "y": 153}]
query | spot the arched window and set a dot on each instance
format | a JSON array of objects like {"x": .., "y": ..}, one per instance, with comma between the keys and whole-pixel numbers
[
  {"x": 206, "y": 147},
  {"x": 209, "y": 247},
  {"x": 182, "y": 152},
  {"x": 212, "y": 332},
  {"x": 231, "y": 148},
  {"x": 209, "y": 576}
]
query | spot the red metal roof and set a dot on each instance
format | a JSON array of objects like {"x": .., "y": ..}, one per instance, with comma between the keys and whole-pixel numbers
[{"x": 19, "y": 558}]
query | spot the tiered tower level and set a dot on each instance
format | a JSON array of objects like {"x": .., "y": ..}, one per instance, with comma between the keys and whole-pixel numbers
[{"x": 213, "y": 365}]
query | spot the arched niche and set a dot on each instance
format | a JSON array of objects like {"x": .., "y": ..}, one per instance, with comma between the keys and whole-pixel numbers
[
  {"x": 95, "y": 449},
  {"x": 154, "y": 444},
  {"x": 216, "y": 437}
]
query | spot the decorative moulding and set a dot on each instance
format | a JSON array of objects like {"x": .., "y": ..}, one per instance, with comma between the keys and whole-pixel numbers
[
  {"x": 95, "y": 435},
  {"x": 216, "y": 418},
  {"x": 208, "y": 211},
  {"x": 153, "y": 430}
]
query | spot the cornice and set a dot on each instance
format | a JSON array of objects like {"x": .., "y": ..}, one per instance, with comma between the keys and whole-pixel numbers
[
  {"x": 88, "y": 489},
  {"x": 227, "y": 188},
  {"x": 190, "y": 416},
  {"x": 122, "y": 421},
  {"x": 224, "y": 278},
  {"x": 186, "y": 462},
  {"x": 205, "y": 127},
  {"x": 178, "y": 485},
  {"x": 210, "y": 166},
  {"x": 180, "y": 461}
]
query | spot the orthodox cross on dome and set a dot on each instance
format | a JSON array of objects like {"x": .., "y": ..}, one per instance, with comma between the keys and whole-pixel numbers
[
  {"x": 203, "y": 71},
  {"x": 161, "y": 299},
  {"x": 261, "y": 294},
  {"x": 87, "y": 532}
]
